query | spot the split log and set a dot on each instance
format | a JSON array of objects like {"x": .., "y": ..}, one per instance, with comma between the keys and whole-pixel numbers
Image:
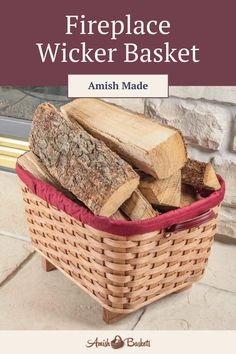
[
  {"x": 163, "y": 192},
  {"x": 80, "y": 163},
  {"x": 137, "y": 207},
  {"x": 200, "y": 175},
  {"x": 156, "y": 149},
  {"x": 188, "y": 195},
  {"x": 118, "y": 215},
  {"x": 31, "y": 163}
]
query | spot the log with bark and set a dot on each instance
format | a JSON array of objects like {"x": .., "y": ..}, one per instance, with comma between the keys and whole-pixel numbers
[
  {"x": 200, "y": 175},
  {"x": 155, "y": 149},
  {"x": 80, "y": 163},
  {"x": 137, "y": 207},
  {"x": 69, "y": 150},
  {"x": 163, "y": 192},
  {"x": 31, "y": 163}
]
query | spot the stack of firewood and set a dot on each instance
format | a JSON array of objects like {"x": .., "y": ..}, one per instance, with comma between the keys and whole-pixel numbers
[{"x": 114, "y": 162}]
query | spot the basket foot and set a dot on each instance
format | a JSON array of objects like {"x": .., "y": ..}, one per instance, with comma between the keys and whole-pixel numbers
[
  {"x": 46, "y": 265},
  {"x": 183, "y": 289},
  {"x": 111, "y": 317}
]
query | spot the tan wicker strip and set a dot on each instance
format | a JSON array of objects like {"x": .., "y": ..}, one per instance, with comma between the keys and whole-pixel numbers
[{"x": 123, "y": 273}]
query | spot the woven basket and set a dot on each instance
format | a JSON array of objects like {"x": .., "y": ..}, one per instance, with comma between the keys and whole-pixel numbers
[{"x": 122, "y": 272}]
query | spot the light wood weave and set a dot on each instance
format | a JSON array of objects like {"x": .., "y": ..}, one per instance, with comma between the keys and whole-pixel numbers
[{"x": 123, "y": 273}]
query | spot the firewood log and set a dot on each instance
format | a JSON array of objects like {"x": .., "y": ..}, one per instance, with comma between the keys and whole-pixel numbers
[
  {"x": 200, "y": 175},
  {"x": 31, "y": 163},
  {"x": 118, "y": 215},
  {"x": 137, "y": 207},
  {"x": 188, "y": 195},
  {"x": 80, "y": 163},
  {"x": 155, "y": 149},
  {"x": 163, "y": 192}
]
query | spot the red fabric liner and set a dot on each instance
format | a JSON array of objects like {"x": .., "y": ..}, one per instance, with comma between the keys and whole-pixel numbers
[{"x": 118, "y": 227}]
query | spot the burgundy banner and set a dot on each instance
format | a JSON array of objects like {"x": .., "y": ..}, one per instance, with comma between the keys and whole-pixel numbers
[{"x": 209, "y": 25}]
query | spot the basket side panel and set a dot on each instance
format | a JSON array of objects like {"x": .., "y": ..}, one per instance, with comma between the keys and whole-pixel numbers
[{"x": 122, "y": 273}]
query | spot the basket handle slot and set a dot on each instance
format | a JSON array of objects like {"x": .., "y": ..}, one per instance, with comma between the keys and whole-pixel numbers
[{"x": 189, "y": 224}]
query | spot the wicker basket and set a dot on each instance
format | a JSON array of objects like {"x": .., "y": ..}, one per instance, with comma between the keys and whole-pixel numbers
[{"x": 122, "y": 273}]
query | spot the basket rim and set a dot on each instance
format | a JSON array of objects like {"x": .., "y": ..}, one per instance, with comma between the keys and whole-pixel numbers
[{"x": 57, "y": 199}]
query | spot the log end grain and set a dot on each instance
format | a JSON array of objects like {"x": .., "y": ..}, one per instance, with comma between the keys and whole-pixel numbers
[
  {"x": 120, "y": 195},
  {"x": 137, "y": 207},
  {"x": 162, "y": 192},
  {"x": 210, "y": 178},
  {"x": 169, "y": 156}
]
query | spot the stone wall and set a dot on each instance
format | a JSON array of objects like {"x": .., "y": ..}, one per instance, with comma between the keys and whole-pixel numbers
[{"x": 207, "y": 118}]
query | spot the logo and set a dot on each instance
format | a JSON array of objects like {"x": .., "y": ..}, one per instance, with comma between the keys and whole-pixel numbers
[{"x": 118, "y": 342}]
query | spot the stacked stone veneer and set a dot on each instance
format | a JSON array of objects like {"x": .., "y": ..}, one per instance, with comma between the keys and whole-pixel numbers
[{"x": 207, "y": 118}]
